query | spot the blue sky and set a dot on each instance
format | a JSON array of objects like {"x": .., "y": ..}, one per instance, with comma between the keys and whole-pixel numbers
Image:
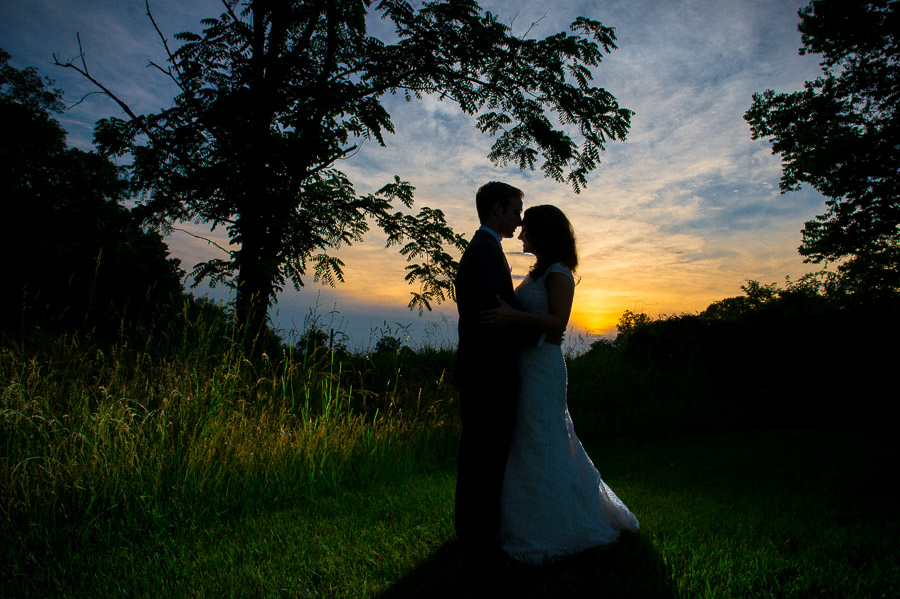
[{"x": 681, "y": 214}]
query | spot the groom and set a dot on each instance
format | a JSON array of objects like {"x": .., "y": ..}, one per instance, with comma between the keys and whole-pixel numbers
[{"x": 487, "y": 367}]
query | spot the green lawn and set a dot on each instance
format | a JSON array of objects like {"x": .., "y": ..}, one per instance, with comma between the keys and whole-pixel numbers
[{"x": 750, "y": 514}]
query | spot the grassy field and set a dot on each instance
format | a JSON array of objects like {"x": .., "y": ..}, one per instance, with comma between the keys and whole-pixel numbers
[
  {"x": 789, "y": 513},
  {"x": 188, "y": 469}
]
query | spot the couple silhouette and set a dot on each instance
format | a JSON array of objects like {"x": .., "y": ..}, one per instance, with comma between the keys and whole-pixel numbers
[{"x": 525, "y": 486}]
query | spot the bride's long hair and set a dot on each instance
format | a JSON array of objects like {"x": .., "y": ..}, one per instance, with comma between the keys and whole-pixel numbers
[{"x": 551, "y": 237}]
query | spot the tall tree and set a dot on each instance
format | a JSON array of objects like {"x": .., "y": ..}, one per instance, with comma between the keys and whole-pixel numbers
[
  {"x": 273, "y": 93},
  {"x": 74, "y": 256},
  {"x": 841, "y": 135}
]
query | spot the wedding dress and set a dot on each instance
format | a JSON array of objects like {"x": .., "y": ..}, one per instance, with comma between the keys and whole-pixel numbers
[{"x": 553, "y": 502}]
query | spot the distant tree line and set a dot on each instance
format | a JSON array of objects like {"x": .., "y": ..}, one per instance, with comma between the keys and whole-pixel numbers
[
  {"x": 800, "y": 355},
  {"x": 75, "y": 258}
]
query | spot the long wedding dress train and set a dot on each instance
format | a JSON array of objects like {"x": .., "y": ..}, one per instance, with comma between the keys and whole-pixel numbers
[{"x": 554, "y": 502}]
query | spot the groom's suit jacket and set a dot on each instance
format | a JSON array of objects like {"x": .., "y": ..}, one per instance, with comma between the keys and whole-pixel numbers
[
  {"x": 487, "y": 375},
  {"x": 486, "y": 357}
]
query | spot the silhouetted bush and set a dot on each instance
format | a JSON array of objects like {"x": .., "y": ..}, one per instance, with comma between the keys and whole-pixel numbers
[{"x": 771, "y": 358}]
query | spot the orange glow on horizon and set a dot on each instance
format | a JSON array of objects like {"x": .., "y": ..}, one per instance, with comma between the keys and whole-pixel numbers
[{"x": 635, "y": 273}]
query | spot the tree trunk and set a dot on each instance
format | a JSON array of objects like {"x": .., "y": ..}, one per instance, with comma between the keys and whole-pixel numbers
[
  {"x": 258, "y": 257},
  {"x": 256, "y": 280}
]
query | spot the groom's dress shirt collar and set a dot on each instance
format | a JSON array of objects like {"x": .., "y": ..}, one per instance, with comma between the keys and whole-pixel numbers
[{"x": 494, "y": 235}]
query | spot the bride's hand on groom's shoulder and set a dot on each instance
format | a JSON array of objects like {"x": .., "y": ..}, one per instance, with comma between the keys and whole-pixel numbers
[{"x": 499, "y": 316}]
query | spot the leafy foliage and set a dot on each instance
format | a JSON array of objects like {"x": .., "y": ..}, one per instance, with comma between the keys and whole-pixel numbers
[
  {"x": 772, "y": 357},
  {"x": 273, "y": 94},
  {"x": 841, "y": 135},
  {"x": 75, "y": 257},
  {"x": 630, "y": 321}
]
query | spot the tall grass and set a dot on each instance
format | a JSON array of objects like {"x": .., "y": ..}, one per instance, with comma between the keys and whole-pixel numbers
[{"x": 103, "y": 442}]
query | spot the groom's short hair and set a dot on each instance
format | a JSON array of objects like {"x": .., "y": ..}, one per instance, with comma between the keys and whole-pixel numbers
[{"x": 495, "y": 192}]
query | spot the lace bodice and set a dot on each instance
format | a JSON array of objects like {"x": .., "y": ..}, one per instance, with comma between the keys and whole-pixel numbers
[{"x": 532, "y": 294}]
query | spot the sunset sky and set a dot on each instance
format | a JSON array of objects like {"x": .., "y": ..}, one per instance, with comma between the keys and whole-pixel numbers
[{"x": 679, "y": 215}]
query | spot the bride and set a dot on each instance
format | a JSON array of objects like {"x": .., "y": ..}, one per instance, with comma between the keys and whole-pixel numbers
[{"x": 553, "y": 502}]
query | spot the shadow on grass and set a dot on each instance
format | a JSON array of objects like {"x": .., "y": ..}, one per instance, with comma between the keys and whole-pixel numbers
[{"x": 631, "y": 567}]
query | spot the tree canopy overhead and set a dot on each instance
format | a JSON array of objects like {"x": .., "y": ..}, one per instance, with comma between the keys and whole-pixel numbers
[
  {"x": 841, "y": 135},
  {"x": 274, "y": 93}
]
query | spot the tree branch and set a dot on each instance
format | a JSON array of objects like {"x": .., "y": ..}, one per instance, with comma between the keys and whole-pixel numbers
[
  {"x": 231, "y": 13},
  {"x": 165, "y": 44},
  {"x": 533, "y": 24},
  {"x": 83, "y": 98},
  {"x": 209, "y": 241},
  {"x": 86, "y": 74},
  {"x": 166, "y": 72}
]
